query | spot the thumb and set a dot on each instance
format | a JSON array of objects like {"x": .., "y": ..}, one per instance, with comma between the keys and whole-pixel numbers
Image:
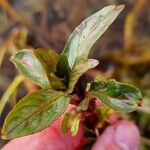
[{"x": 123, "y": 135}]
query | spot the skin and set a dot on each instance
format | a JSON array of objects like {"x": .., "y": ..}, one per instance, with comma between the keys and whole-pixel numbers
[{"x": 121, "y": 135}]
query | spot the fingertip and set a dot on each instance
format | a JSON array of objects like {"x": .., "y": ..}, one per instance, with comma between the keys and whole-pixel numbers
[{"x": 127, "y": 135}]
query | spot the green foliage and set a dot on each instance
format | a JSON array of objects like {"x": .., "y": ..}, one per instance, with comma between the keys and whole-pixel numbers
[
  {"x": 75, "y": 125},
  {"x": 66, "y": 122},
  {"x": 79, "y": 68},
  {"x": 48, "y": 59},
  {"x": 28, "y": 65},
  {"x": 34, "y": 113},
  {"x": 63, "y": 69},
  {"x": 59, "y": 76},
  {"x": 70, "y": 123},
  {"x": 85, "y": 102},
  {"x": 118, "y": 96},
  {"x": 88, "y": 32}
]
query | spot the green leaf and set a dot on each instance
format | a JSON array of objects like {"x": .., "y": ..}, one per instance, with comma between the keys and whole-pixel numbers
[
  {"x": 70, "y": 123},
  {"x": 28, "y": 65},
  {"x": 56, "y": 82},
  {"x": 116, "y": 95},
  {"x": 81, "y": 66},
  {"x": 63, "y": 68},
  {"x": 89, "y": 31},
  {"x": 85, "y": 102},
  {"x": 49, "y": 60},
  {"x": 75, "y": 125},
  {"x": 34, "y": 112},
  {"x": 66, "y": 122}
]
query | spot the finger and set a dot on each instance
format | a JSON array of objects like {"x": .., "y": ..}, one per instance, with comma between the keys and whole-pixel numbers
[
  {"x": 50, "y": 138},
  {"x": 123, "y": 135}
]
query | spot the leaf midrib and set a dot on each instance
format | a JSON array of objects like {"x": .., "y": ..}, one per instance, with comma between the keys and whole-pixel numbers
[
  {"x": 104, "y": 94},
  {"x": 40, "y": 110}
]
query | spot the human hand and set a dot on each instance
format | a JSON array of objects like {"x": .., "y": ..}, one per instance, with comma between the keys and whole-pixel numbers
[{"x": 122, "y": 135}]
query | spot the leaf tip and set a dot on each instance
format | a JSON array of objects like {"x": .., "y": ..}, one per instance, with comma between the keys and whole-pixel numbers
[
  {"x": 93, "y": 62},
  {"x": 120, "y": 7},
  {"x": 4, "y": 135}
]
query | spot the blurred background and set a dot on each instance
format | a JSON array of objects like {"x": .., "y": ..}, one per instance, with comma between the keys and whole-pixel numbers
[{"x": 123, "y": 51}]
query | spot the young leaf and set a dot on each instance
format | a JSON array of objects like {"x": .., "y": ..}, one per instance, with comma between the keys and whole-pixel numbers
[
  {"x": 85, "y": 102},
  {"x": 75, "y": 125},
  {"x": 34, "y": 112},
  {"x": 63, "y": 68},
  {"x": 49, "y": 60},
  {"x": 56, "y": 82},
  {"x": 66, "y": 122},
  {"x": 88, "y": 32},
  {"x": 28, "y": 65},
  {"x": 70, "y": 123},
  {"x": 81, "y": 66},
  {"x": 118, "y": 96}
]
